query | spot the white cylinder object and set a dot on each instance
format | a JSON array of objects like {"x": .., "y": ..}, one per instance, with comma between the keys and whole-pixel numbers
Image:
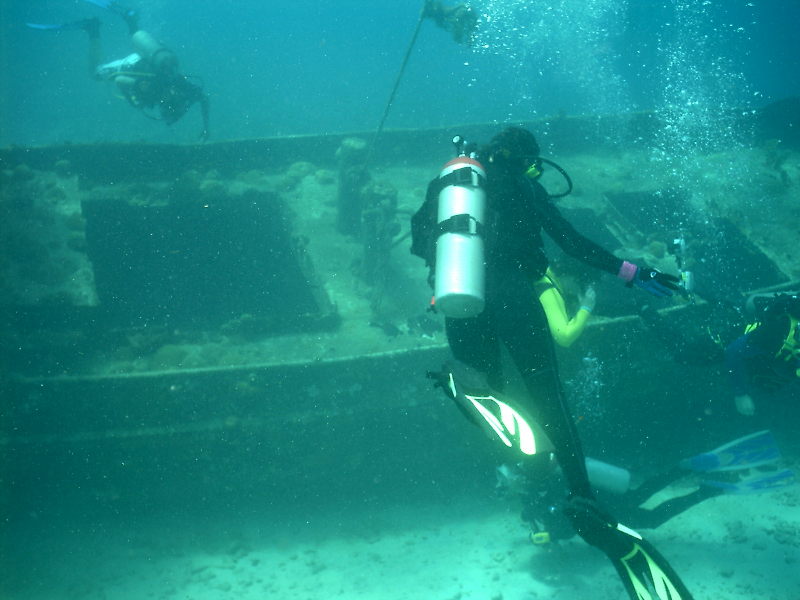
[
  {"x": 606, "y": 477},
  {"x": 460, "y": 259}
]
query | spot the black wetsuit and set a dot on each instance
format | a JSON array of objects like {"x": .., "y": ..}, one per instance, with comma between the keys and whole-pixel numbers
[
  {"x": 518, "y": 211},
  {"x": 541, "y": 504},
  {"x": 758, "y": 361},
  {"x": 171, "y": 94}
]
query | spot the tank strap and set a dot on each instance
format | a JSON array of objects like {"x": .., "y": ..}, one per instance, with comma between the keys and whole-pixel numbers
[
  {"x": 463, "y": 223},
  {"x": 462, "y": 177}
]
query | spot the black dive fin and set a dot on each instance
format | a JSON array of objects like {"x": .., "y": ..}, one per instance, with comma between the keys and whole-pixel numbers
[
  {"x": 111, "y": 5},
  {"x": 500, "y": 416},
  {"x": 646, "y": 574}
]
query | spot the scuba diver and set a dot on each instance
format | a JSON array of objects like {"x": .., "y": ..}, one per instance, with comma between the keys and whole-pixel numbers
[
  {"x": 148, "y": 78},
  {"x": 479, "y": 232},
  {"x": 745, "y": 465},
  {"x": 765, "y": 361},
  {"x": 565, "y": 330},
  {"x": 459, "y": 20}
]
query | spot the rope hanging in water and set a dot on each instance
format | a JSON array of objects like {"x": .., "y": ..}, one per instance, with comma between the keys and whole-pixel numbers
[{"x": 397, "y": 81}]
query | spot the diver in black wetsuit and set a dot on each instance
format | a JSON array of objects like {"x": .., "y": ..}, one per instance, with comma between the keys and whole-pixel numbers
[
  {"x": 765, "y": 361},
  {"x": 762, "y": 363},
  {"x": 518, "y": 209},
  {"x": 749, "y": 464},
  {"x": 540, "y": 488},
  {"x": 459, "y": 19},
  {"x": 149, "y": 78}
]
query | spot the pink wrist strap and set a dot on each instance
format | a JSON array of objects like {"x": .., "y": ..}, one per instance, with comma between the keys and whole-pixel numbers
[{"x": 627, "y": 271}]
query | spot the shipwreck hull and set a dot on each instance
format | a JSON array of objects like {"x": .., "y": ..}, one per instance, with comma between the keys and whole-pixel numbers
[{"x": 227, "y": 346}]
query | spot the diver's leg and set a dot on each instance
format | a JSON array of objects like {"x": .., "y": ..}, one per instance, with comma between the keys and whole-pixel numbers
[
  {"x": 524, "y": 330},
  {"x": 92, "y": 29},
  {"x": 643, "y": 571},
  {"x": 653, "y": 485},
  {"x": 474, "y": 343},
  {"x": 629, "y": 505},
  {"x": 658, "y": 515}
]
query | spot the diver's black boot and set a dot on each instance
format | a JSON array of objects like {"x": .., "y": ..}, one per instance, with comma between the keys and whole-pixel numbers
[
  {"x": 132, "y": 19},
  {"x": 91, "y": 27},
  {"x": 129, "y": 15}
]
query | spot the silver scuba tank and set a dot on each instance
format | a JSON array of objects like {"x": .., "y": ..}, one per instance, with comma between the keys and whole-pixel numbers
[
  {"x": 610, "y": 478},
  {"x": 163, "y": 60},
  {"x": 460, "y": 277}
]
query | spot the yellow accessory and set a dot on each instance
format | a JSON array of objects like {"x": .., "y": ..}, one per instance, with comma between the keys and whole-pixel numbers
[
  {"x": 534, "y": 171},
  {"x": 790, "y": 349},
  {"x": 540, "y": 538}
]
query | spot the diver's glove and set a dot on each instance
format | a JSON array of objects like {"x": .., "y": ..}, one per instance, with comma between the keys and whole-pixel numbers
[{"x": 650, "y": 280}]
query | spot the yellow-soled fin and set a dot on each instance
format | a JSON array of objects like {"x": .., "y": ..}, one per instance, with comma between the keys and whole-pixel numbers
[{"x": 648, "y": 579}]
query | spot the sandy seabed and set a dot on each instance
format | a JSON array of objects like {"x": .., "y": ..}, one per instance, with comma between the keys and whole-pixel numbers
[{"x": 743, "y": 547}]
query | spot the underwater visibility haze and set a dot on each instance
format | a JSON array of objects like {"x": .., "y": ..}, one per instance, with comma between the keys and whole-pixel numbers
[
  {"x": 284, "y": 68},
  {"x": 222, "y": 371}
]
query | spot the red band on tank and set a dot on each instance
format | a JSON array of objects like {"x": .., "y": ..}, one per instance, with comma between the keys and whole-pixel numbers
[{"x": 464, "y": 160}]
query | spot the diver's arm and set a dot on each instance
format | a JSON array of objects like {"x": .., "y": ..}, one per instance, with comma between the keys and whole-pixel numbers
[
  {"x": 564, "y": 330},
  {"x": 567, "y": 237},
  {"x": 745, "y": 405},
  {"x": 736, "y": 355},
  {"x": 578, "y": 246}
]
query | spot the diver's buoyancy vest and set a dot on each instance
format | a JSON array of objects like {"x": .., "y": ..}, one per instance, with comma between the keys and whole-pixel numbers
[{"x": 790, "y": 347}]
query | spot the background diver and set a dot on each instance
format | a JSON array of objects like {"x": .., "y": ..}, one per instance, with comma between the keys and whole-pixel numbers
[
  {"x": 460, "y": 20},
  {"x": 517, "y": 209},
  {"x": 149, "y": 78},
  {"x": 765, "y": 361},
  {"x": 745, "y": 465}
]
